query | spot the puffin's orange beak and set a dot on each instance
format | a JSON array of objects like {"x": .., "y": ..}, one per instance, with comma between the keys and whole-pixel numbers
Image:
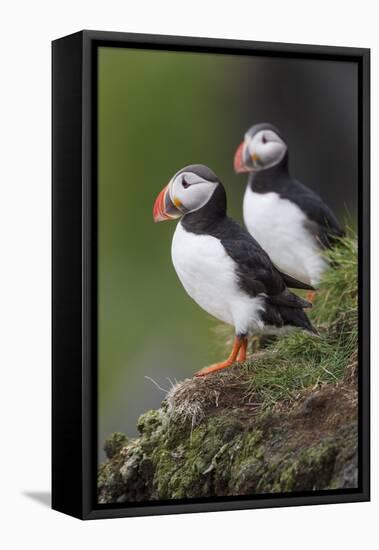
[
  {"x": 239, "y": 165},
  {"x": 164, "y": 208}
]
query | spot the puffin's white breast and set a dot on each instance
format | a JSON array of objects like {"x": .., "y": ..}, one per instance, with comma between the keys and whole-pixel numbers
[
  {"x": 278, "y": 225},
  {"x": 208, "y": 275}
]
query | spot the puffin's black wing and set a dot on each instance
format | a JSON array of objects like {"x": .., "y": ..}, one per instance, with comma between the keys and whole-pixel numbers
[
  {"x": 291, "y": 282},
  {"x": 321, "y": 221},
  {"x": 257, "y": 274}
]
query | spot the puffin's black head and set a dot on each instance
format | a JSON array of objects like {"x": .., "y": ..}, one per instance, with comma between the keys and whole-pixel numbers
[
  {"x": 262, "y": 148},
  {"x": 188, "y": 190}
]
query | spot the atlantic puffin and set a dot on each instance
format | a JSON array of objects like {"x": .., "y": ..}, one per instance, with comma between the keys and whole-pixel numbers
[
  {"x": 289, "y": 220},
  {"x": 222, "y": 267}
]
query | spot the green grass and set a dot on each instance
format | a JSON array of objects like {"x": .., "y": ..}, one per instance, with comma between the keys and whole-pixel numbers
[{"x": 301, "y": 360}]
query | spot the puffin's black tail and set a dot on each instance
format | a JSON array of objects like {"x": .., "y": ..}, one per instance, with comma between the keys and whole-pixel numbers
[
  {"x": 287, "y": 310},
  {"x": 297, "y": 318}
]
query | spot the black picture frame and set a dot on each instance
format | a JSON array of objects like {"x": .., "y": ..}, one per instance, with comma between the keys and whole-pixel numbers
[{"x": 74, "y": 294}]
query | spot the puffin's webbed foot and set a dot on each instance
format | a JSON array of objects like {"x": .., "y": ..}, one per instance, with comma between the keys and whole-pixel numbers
[
  {"x": 242, "y": 351},
  {"x": 238, "y": 351},
  {"x": 214, "y": 368}
]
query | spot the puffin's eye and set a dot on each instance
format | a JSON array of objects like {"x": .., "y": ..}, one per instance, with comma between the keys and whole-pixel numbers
[
  {"x": 185, "y": 184},
  {"x": 264, "y": 140}
]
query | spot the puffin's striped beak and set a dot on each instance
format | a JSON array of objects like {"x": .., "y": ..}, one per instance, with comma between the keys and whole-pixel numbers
[
  {"x": 239, "y": 165},
  {"x": 164, "y": 208}
]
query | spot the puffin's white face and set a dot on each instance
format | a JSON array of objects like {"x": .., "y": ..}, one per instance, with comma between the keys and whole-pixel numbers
[
  {"x": 190, "y": 192},
  {"x": 259, "y": 152},
  {"x": 186, "y": 192}
]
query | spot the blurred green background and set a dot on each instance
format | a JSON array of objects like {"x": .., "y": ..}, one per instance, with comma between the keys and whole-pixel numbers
[{"x": 159, "y": 111}]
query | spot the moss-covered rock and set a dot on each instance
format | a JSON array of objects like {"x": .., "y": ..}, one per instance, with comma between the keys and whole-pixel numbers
[
  {"x": 283, "y": 422},
  {"x": 234, "y": 451}
]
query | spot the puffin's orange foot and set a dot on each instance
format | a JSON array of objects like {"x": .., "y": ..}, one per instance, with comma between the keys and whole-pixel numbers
[
  {"x": 239, "y": 350},
  {"x": 311, "y": 295},
  {"x": 243, "y": 351},
  {"x": 213, "y": 368}
]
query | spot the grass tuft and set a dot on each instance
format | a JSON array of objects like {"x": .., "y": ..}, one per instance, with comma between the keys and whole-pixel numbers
[
  {"x": 338, "y": 294},
  {"x": 301, "y": 360}
]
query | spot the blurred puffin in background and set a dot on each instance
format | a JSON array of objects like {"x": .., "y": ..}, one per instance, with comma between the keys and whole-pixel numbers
[
  {"x": 222, "y": 267},
  {"x": 290, "y": 221}
]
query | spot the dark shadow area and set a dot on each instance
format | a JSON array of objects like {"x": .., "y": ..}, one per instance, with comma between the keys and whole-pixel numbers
[{"x": 42, "y": 497}]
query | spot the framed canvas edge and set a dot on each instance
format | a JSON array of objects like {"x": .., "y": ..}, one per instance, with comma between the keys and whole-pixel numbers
[
  {"x": 196, "y": 42},
  {"x": 67, "y": 319},
  {"x": 90, "y": 40}
]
